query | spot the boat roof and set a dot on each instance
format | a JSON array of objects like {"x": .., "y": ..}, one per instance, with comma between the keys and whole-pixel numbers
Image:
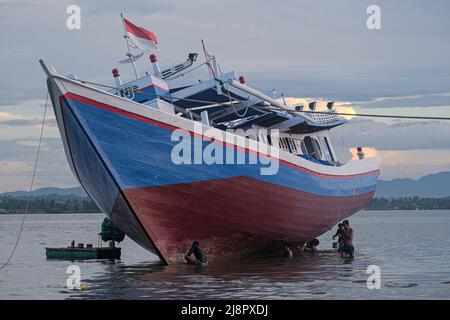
[{"x": 256, "y": 114}]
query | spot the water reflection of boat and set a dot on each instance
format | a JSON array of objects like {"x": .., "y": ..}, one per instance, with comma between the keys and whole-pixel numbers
[
  {"x": 306, "y": 276},
  {"x": 120, "y": 145}
]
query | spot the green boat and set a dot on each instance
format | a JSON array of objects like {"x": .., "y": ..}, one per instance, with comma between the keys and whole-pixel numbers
[
  {"x": 109, "y": 233},
  {"x": 70, "y": 253}
]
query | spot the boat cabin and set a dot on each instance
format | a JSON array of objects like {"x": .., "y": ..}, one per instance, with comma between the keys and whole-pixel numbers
[{"x": 226, "y": 102}]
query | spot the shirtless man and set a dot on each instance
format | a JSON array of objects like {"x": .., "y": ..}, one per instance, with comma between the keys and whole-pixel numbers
[
  {"x": 348, "y": 248},
  {"x": 287, "y": 251}
]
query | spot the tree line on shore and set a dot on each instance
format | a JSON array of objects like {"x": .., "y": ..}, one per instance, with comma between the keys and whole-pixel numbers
[
  {"x": 48, "y": 204},
  {"x": 409, "y": 203},
  {"x": 78, "y": 204}
]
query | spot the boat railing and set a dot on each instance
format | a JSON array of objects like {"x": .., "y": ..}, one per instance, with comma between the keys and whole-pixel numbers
[{"x": 323, "y": 117}]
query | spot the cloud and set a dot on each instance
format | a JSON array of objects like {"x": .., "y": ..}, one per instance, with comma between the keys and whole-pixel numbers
[
  {"x": 418, "y": 100},
  {"x": 142, "y": 7},
  {"x": 321, "y": 105},
  {"x": 24, "y": 149},
  {"x": 368, "y": 153},
  {"x": 17, "y": 162},
  {"x": 407, "y": 135},
  {"x": 8, "y": 167},
  {"x": 413, "y": 163},
  {"x": 9, "y": 95},
  {"x": 11, "y": 119},
  {"x": 21, "y": 122},
  {"x": 19, "y": 5}
]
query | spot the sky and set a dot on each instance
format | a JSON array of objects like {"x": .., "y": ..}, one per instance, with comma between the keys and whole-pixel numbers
[{"x": 301, "y": 48}]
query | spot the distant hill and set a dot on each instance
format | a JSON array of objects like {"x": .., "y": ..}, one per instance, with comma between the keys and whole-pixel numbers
[
  {"x": 433, "y": 186},
  {"x": 76, "y": 191}
]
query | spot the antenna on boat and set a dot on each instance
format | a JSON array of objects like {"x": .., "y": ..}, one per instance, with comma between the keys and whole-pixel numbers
[
  {"x": 131, "y": 57},
  {"x": 284, "y": 100}
]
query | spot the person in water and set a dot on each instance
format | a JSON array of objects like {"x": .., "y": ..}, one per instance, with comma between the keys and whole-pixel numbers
[
  {"x": 287, "y": 252},
  {"x": 340, "y": 235},
  {"x": 311, "y": 245},
  {"x": 199, "y": 257},
  {"x": 348, "y": 248}
]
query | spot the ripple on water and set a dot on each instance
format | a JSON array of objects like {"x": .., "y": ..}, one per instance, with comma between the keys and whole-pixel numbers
[{"x": 392, "y": 284}]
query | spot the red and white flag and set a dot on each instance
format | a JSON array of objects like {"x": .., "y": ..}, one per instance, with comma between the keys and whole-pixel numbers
[{"x": 139, "y": 37}]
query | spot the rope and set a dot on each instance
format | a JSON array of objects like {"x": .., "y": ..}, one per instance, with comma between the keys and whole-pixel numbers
[
  {"x": 234, "y": 108},
  {"x": 229, "y": 97},
  {"x": 368, "y": 115},
  {"x": 31, "y": 188}
]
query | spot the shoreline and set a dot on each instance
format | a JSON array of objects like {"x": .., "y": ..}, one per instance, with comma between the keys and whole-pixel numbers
[{"x": 87, "y": 213}]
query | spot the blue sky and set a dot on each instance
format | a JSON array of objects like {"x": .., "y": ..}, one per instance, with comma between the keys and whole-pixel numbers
[{"x": 302, "y": 48}]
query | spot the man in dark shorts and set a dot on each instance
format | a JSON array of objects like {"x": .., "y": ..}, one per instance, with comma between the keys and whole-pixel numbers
[
  {"x": 199, "y": 257},
  {"x": 348, "y": 248}
]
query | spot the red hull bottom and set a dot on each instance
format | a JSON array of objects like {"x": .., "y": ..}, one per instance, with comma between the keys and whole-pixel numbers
[{"x": 233, "y": 217}]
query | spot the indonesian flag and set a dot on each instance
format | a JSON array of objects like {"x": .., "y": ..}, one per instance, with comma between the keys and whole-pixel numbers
[{"x": 139, "y": 37}]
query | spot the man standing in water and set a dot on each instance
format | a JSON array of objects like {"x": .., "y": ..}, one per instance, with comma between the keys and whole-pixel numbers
[{"x": 347, "y": 232}]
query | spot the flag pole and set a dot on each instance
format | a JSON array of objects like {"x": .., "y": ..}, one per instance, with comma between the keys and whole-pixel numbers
[{"x": 129, "y": 54}]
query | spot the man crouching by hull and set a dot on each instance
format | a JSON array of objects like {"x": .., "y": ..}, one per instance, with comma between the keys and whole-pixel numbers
[{"x": 199, "y": 257}]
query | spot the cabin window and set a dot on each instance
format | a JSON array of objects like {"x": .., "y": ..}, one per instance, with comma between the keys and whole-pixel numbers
[
  {"x": 269, "y": 139},
  {"x": 313, "y": 148},
  {"x": 262, "y": 138},
  {"x": 283, "y": 144},
  {"x": 287, "y": 142},
  {"x": 293, "y": 145},
  {"x": 298, "y": 146},
  {"x": 303, "y": 147},
  {"x": 326, "y": 148},
  {"x": 318, "y": 149}
]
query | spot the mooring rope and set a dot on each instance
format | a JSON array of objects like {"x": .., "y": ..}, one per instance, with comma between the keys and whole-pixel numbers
[{"x": 31, "y": 188}]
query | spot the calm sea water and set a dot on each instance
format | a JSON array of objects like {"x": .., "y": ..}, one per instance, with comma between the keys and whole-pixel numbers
[{"x": 410, "y": 247}]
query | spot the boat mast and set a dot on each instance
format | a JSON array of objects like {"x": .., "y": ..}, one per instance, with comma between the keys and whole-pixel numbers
[
  {"x": 129, "y": 54},
  {"x": 208, "y": 61}
]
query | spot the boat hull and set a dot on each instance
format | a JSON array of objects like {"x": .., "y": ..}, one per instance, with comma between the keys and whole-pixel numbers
[
  {"x": 121, "y": 153},
  {"x": 234, "y": 217}
]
